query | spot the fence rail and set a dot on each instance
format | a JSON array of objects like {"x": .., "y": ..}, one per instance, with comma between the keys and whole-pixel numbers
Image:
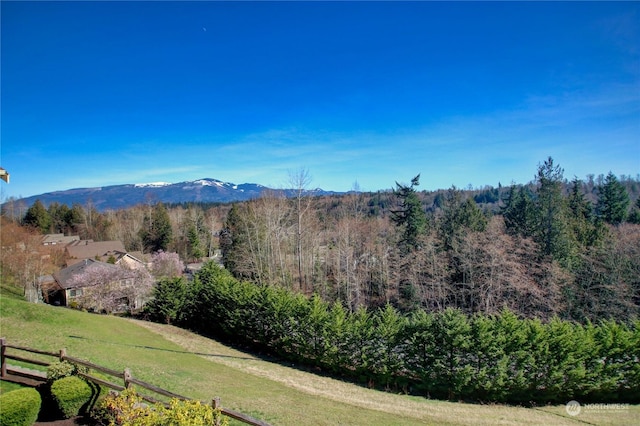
[{"x": 8, "y": 370}]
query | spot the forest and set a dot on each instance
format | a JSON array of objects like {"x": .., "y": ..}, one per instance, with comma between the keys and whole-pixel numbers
[{"x": 548, "y": 248}]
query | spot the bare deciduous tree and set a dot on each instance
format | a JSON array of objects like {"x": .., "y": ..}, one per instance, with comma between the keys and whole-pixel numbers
[
  {"x": 25, "y": 259},
  {"x": 299, "y": 182}
]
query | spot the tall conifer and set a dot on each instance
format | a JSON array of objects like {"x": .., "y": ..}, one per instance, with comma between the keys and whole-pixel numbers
[
  {"x": 410, "y": 217},
  {"x": 551, "y": 230},
  {"x": 614, "y": 200}
]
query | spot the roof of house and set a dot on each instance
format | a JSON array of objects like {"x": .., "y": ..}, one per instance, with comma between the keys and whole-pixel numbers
[
  {"x": 45, "y": 279},
  {"x": 64, "y": 277},
  {"x": 129, "y": 260},
  {"x": 139, "y": 256},
  {"x": 87, "y": 249},
  {"x": 51, "y": 239}
]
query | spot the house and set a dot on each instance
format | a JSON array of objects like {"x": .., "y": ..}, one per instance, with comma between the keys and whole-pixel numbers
[
  {"x": 58, "y": 239},
  {"x": 129, "y": 260},
  {"x": 89, "y": 249},
  {"x": 96, "y": 286},
  {"x": 104, "y": 251}
]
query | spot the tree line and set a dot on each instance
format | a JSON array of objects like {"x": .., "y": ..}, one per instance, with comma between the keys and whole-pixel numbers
[
  {"x": 550, "y": 247},
  {"x": 188, "y": 229},
  {"x": 547, "y": 248},
  {"x": 446, "y": 354}
]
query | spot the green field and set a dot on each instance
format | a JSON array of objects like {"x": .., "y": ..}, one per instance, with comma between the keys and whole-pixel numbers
[{"x": 201, "y": 368}]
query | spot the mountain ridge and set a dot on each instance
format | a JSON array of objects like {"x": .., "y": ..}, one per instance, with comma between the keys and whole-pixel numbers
[{"x": 113, "y": 197}]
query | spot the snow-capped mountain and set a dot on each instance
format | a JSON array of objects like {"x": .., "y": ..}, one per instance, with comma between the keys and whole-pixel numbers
[
  {"x": 151, "y": 184},
  {"x": 115, "y": 197}
]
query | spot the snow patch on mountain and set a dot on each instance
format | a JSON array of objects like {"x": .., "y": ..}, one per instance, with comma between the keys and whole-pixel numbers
[
  {"x": 151, "y": 185},
  {"x": 210, "y": 182}
]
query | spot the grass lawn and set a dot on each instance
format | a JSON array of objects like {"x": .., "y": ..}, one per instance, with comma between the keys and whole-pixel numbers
[
  {"x": 8, "y": 387},
  {"x": 201, "y": 368}
]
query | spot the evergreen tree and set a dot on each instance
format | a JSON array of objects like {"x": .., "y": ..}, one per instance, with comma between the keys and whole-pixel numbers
[
  {"x": 458, "y": 216},
  {"x": 230, "y": 240},
  {"x": 489, "y": 360},
  {"x": 452, "y": 372},
  {"x": 551, "y": 224},
  {"x": 156, "y": 233},
  {"x": 74, "y": 218},
  {"x": 195, "y": 246},
  {"x": 58, "y": 213},
  {"x": 634, "y": 217},
  {"x": 38, "y": 217},
  {"x": 519, "y": 211},
  {"x": 585, "y": 229},
  {"x": 410, "y": 217},
  {"x": 76, "y": 214},
  {"x": 168, "y": 300},
  {"x": 614, "y": 200},
  {"x": 580, "y": 208}
]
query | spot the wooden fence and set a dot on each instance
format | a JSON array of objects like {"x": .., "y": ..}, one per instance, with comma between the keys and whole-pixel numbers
[{"x": 11, "y": 373}]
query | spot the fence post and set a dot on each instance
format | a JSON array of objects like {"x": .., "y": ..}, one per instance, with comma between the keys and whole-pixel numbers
[
  {"x": 63, "y": 354},
  {"x": 3, "y": 361},
  {"x": 127, "y": 378},
  {"x": 215, "y": 403}
]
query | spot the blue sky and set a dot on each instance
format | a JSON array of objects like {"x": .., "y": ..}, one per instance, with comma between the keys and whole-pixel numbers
[{"x": 104, "y": 93}]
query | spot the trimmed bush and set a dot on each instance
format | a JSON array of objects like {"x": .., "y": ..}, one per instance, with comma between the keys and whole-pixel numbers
[
  {"x": 20, "y": 407},
  {"x": 73, "y": 395},
  {"x": 59, "y": 369}
]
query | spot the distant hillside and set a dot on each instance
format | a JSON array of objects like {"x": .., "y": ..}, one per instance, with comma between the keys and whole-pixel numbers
[
  {"x": 209, "y": 190},
  {"x": 115, "y": 197}
]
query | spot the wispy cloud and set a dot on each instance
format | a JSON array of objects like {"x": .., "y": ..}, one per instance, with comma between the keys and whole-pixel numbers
[
  {"x": 586, "y": 132},
  {"x": 504, "y": 145}
]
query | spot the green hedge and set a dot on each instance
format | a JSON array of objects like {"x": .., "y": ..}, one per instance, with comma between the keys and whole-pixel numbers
[
  {"x": 20, "y": 407},
  {"x": 446, "y": 354},
  {"x": 74, "y": 396}
]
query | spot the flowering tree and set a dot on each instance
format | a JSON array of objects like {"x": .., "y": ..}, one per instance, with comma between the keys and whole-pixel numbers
[
  {"x": 166, "y": 265},
  {"x": 111, "y": 288}
]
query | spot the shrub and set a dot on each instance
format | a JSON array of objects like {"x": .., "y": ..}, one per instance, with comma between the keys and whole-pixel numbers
[
  {"x": 121, "y": 408},
  {"x": 73, "y": 395},
  {"x": 127, "y": 408},
  {"x": 59, "y": 369},
  {"x": 20, "y": 407},
  {"x": 192, "y": 413}
]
